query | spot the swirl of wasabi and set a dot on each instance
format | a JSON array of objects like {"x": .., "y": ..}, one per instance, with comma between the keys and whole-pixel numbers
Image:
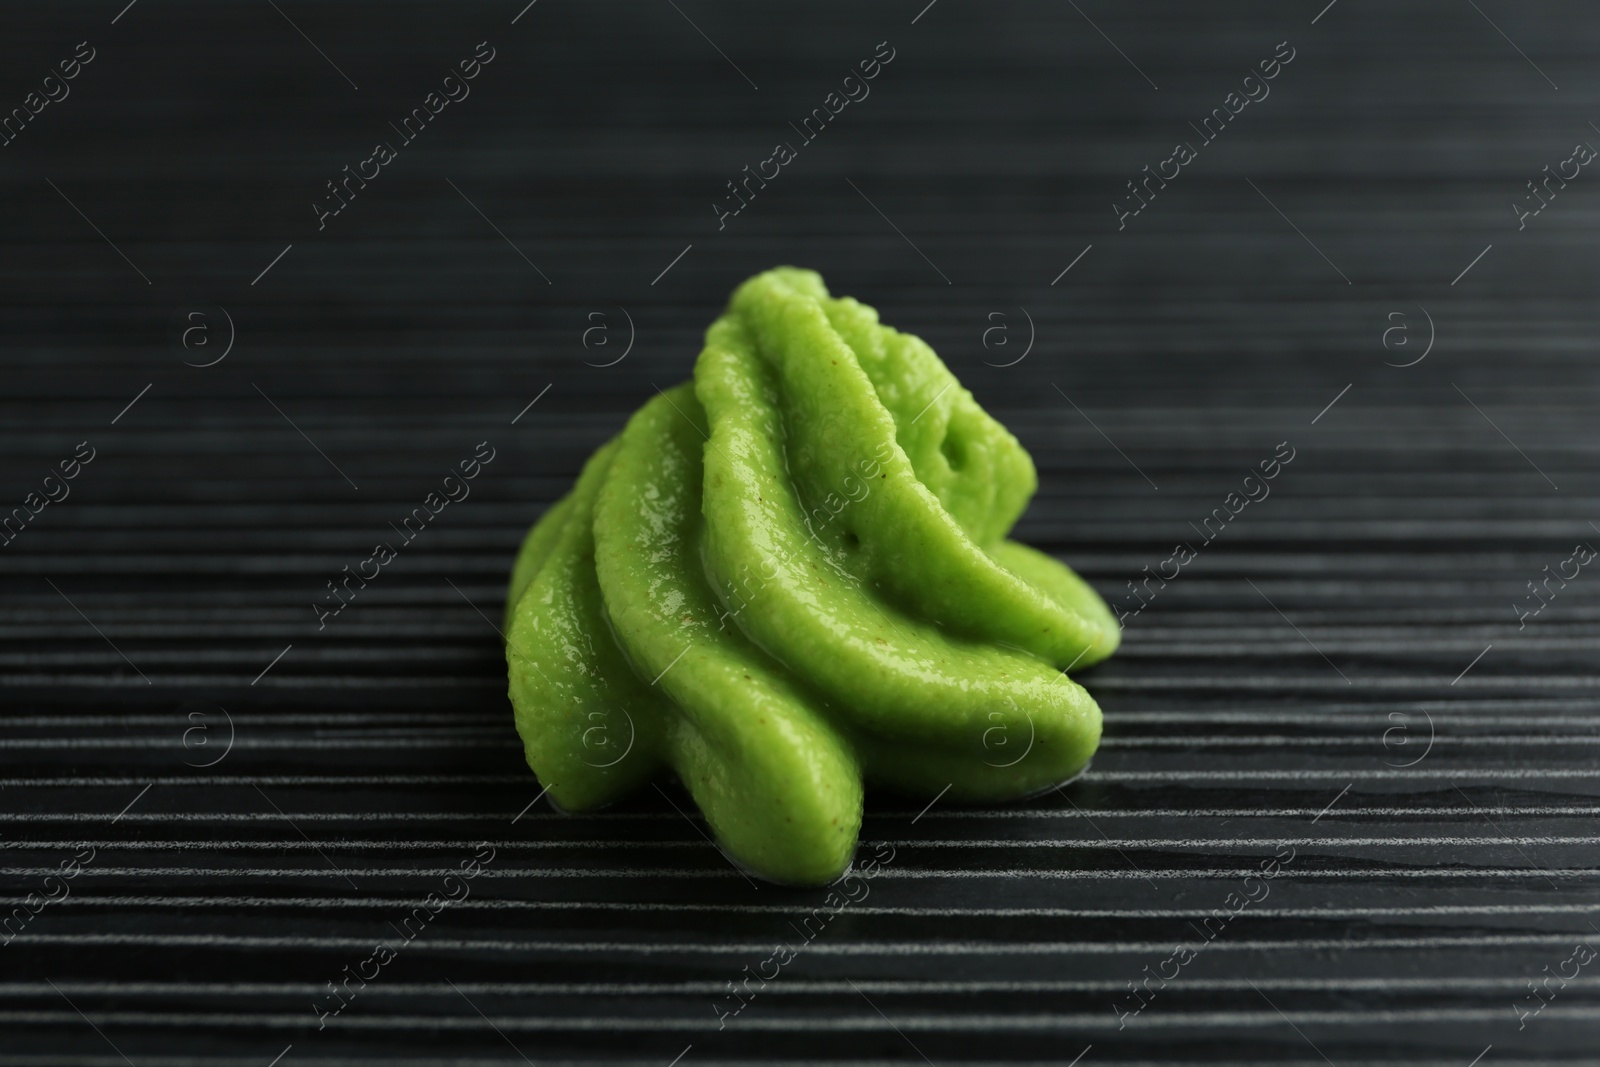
[{"x": 792, "y": 575}]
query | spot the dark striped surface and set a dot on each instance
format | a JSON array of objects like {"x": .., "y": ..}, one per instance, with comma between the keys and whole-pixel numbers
[{"x": 1281, "y": 694}]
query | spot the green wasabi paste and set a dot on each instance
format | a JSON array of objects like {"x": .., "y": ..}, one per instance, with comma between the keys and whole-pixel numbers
[{"x": 792, "y": 574}]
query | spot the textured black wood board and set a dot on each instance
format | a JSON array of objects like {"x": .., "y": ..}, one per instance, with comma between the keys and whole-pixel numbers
[{"x": 1282, "y": 693}]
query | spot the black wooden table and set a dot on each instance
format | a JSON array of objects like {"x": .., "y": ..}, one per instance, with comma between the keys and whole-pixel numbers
[{"x": 1344, "y": 811}]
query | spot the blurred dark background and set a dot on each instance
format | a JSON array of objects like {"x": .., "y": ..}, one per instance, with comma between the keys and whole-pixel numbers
[{"x": 1354, "y": 672}]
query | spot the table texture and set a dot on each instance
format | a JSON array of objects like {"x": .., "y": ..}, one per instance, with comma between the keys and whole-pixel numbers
[{"x": 1344, "y": 811}]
